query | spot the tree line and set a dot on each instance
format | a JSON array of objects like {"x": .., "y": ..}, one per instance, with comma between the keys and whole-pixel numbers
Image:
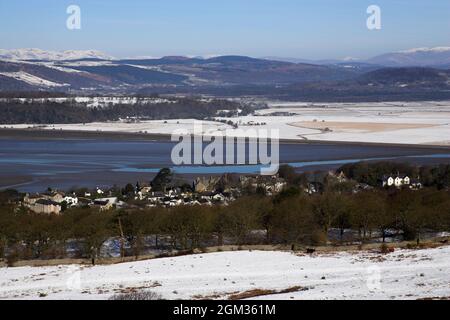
[
  {"x": 70, "y": 111},
  {"x": 371, "y": 173},
  {"x": 290, "y": 218}
]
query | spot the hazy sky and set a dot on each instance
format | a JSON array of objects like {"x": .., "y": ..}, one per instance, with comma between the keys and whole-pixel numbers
[{"x": 313, "y": 29}]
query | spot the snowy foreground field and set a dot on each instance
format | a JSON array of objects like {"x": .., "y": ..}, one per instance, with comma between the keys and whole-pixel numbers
[
  {"x": 404, "y": 274},
  {"x": 387, "y": 122}
]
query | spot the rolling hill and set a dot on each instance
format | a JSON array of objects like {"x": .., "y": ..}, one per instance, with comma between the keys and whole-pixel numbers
[
  {"x": 229, "y": 76},
  {"x": 169, "y": 71},
  {"x": 439, "y": 56}
]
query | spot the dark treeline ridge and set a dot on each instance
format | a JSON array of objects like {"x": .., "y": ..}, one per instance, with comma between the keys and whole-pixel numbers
[
  {"x": 50, "y": 112},
  {"x": 371, "y": 173},
  {"x": 321, "y": 92},
  {"x": 292, "y": 218},
  {"x": 32, "y": 94}
]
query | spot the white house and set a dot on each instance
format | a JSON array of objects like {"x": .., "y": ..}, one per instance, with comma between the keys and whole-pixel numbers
[
  {"x": 396, "y": 180},
  {"x": 71, "y": 201},
  {"x": 406, "y": 180},
  {"x": 219, "y": 197},
  {"x": 388, "y": 181},
  {"x": 106, "y": 203}
]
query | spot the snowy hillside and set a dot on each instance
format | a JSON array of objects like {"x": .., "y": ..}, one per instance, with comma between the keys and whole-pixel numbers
[
  {"x": 339, "y": 81},
  {"x": 38, "y": 54},
  {"x": 439, "y": 56},
  {"x": 31, "y": 79},
  {"x": 404, "y": 274}
]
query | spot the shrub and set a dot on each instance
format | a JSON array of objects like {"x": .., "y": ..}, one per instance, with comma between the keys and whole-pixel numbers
[
  {"x": 138, "y": 296},
  {"x": 12, "y": 258},
  {"x": 385, "y": 249}
]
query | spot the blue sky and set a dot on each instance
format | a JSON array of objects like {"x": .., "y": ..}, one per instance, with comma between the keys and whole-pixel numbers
[{"x": 312, "y": 29}]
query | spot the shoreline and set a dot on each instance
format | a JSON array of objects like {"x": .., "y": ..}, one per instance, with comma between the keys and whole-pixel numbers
[
  {"x": 304, "y": 160},
  {"x": 47, "y": 134}
]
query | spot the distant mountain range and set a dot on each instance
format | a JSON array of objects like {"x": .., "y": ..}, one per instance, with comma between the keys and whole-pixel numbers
[
  {"x": 424, "y": 57},
  {"x": 38, "y": 54},
  {"x": 404, "y": 74},
  {"x": 431, "y": 57},
  {"x": 126, "y": 75}
]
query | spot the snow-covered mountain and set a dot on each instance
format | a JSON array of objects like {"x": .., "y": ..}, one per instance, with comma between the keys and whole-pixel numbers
[
  {"x": 38, "y": 54},
  {"x": 49, "y": 70},
  {"x": 417, "y": 57},
  {"x": 438, "y": 56}
]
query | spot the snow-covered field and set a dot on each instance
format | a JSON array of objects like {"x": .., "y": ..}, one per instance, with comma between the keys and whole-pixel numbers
[
  {"x": 409, "y": 123},
  {"x": 388, "y": 122},
  {"x": 404, "y": 274},
  {"x": 151, "y": 127}
]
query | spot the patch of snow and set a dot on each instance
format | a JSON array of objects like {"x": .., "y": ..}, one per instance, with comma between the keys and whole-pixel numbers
[
  {"x": 91, "y": 102},
  {"x": 69, "y": 64},
  {"x": 38, "y": 54},
  {"x": 425, "y": 49},
  {"x": 32, "y": 80}
]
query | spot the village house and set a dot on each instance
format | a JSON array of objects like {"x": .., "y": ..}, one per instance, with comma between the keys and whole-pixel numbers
[
  {"x": 275, "y": 188},
  {"x": 53, "y": 196},
  {"x": 270, "y": 184},
  {"x": 397, "y": 181},
  {"x": 105, "y": 204},
  {"x": 219, "y": 197},
  {"x": 224, "y": 183},
  {"x": 71, "y": 200},
  {"x": 44, "y": 203},
  {"x": 203, "y": 184},
  {"x": 142, "y": 191},
  {"x": 338, "y": 177},
  {"x": 30, "y": 199},
  {"x": 46, "y": 206}
]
